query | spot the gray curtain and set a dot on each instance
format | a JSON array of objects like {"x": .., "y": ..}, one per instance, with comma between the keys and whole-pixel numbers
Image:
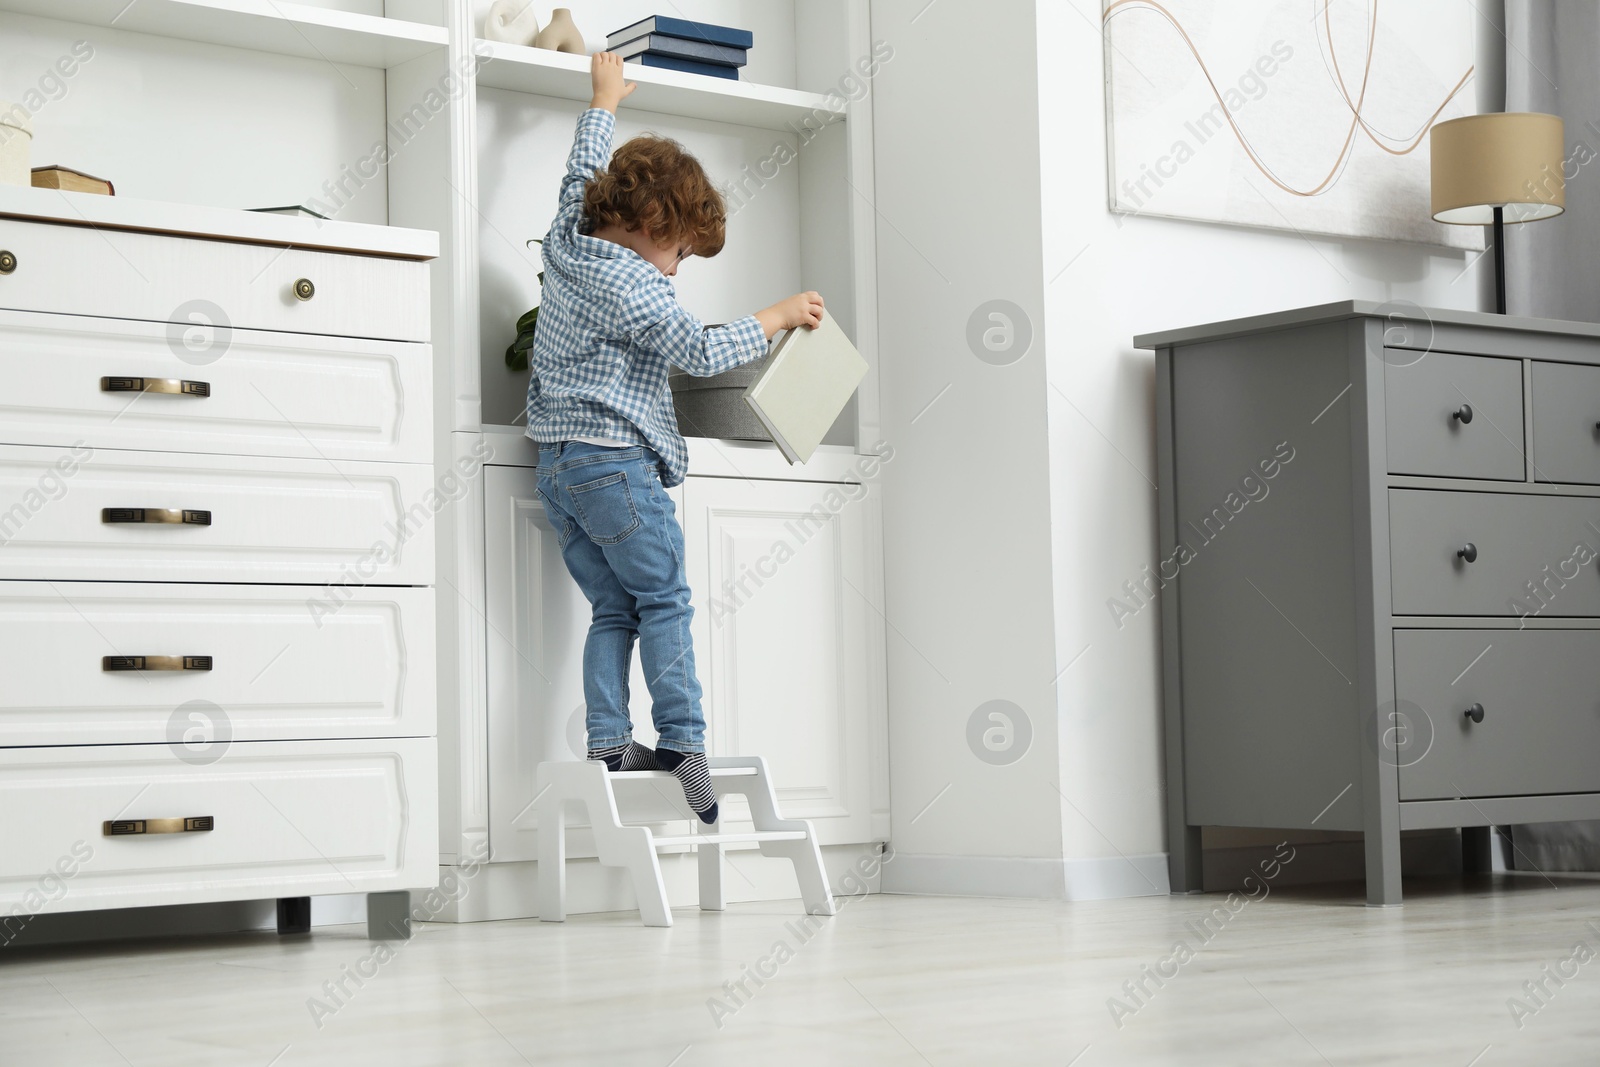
[
  {"x": 1553, "y": 65},
  {"x": 1553, "y": 266}
]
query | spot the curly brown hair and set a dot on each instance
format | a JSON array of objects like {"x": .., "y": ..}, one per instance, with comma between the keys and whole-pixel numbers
[{"x": 652, "y": 182}]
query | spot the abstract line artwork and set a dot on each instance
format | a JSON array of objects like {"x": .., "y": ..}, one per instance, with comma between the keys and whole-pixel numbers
[{"x": 1303, "y": 115}]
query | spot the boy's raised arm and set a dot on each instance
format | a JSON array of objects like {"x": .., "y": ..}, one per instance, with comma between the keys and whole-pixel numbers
[{"x": 591, "y": 147}]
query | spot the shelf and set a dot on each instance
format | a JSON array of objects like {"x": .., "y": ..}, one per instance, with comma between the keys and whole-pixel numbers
[
  {"x": 228, "y": 224},
  {"x": 665, "y": 92},
  {"x": 275, "y": 26}
]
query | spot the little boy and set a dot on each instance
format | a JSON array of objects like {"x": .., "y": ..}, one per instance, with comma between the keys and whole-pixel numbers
[{"x": 599, "y": 406}]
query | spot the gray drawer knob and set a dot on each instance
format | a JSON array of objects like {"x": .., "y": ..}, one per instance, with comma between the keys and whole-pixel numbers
[
  {"x": 8, "y": 262},
  {"x": 1468, "y": 552},
  {"x": 303, "y": 289},
  {"x": 1475, "y": 713},
  {"x": 1464, "y": 413}
]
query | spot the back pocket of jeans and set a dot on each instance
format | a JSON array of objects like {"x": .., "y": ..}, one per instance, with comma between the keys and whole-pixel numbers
[{"x": 605, "y": 508}]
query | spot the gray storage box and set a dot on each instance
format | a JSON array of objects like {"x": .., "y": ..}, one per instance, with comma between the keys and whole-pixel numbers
[{"x": 715, "y": 407}]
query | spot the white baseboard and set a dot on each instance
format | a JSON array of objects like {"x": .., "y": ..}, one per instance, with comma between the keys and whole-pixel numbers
[
  {"x": 1029, "y": 877},
  {"x": 1105, "y": 878}
]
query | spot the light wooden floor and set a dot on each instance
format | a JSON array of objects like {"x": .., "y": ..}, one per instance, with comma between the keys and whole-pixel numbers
[{"x": 1304, "y": 976}]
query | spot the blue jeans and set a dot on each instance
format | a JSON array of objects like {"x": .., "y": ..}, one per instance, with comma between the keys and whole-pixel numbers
[{"x": 622, "y": 543}]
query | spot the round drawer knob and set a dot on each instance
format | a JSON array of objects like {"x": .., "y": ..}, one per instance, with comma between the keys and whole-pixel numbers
[
  {"x": 8, "y": 262},
  {"x": 1475, "y": 713},
  {"x": 303, "y": 289},
  {"x": 1463, "y": 413},
  {"x": 1468, "y": 552}
]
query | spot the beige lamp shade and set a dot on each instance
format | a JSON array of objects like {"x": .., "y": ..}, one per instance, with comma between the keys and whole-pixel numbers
[{"x": 1510, "y": 160}]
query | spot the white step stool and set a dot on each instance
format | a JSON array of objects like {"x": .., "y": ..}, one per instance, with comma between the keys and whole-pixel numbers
[{"x": 561, "y": 785}]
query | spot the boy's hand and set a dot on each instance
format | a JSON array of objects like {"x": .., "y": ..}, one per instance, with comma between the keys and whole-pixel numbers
[
  {"x": 610, "y": 88},
  {"x": 802, "y": 309}
]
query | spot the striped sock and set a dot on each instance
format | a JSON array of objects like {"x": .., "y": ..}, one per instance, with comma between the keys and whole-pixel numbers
[
  {"x": 694, "y": 773},
  {"x": 630, "y": 757}
]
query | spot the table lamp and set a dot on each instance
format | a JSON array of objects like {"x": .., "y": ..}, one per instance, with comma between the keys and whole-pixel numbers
[{"x": 1495, "y": 169}]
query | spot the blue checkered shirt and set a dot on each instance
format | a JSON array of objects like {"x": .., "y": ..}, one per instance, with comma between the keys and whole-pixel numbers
[{"x": 610, "y": 326}]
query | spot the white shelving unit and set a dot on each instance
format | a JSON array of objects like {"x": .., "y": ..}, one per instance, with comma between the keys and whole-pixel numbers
[
  {"x": 275, "y": 26},
  {"x": 540, "y": 72},
  {"x": 509, "y": 623}
]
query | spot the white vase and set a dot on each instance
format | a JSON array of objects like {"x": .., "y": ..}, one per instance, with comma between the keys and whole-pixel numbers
[
  {"x": 511, "y": 22},
  {"x": 16, "y": 145},
  {"x": 562, "y": 34}
]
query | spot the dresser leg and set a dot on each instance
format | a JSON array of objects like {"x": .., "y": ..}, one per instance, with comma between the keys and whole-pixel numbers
[
  {"x": 1184, "y": 860},
  {"x": 294, "y": 915},
  {"x": 389, "y": 916},
  {"x": 1475, "y": 850},
  {"x": 1383, "y": 868}
]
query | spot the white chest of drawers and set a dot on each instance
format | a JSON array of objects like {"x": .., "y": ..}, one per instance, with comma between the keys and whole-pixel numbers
[
  {"x": 216, "y": 560},
  {"x": 1377, "y": 574}
]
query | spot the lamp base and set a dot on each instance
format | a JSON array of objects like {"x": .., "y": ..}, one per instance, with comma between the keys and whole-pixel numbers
[{"x": 1500, "y": 260}]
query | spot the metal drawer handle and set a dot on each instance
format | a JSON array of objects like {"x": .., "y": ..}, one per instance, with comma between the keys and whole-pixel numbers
[
  {"x": 155, "y": 663},
  {"x": 303, "y": 289},
  {"x": 1475, "y": 713},
  {"x": 1468, "y": 552},
  {"x": 176, "y": 386},
  {"x": 8, "y": 262},
  {"x": 190, "y": 825},
  {"x": 161, "y": 515},
  {"x": 1464, "y": 413}
]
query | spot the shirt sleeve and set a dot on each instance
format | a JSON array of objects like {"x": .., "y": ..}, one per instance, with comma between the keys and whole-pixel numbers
[
  {"x": 659, "y": 324},
  {"x": 591, "y": 148}
]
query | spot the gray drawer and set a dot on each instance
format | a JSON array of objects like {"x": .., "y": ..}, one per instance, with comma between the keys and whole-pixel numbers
[
  {"x": 1540, "y": 695},
  {"x": 1516, "y": 537},
  {"x": 1425, "y": 435},
  {"x": 1566, "y": 423}
]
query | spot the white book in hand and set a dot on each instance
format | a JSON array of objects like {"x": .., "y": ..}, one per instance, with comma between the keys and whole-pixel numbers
[{"x": 810, "y": 377}]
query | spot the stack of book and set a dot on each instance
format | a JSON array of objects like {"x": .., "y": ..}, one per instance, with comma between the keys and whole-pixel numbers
[
  {"x": 678, "y": 44},
  {"x": 56, "y": 176}
]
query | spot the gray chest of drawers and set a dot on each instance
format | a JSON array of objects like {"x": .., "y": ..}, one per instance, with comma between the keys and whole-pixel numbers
[{"x": 1379, "y": 595}]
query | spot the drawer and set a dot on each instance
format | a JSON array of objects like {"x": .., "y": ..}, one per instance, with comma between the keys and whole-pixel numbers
[
  {"x": 1428, "y": 437},
  {"x": 1534, "y": 554},
  {"x": 85, "y": 270},
  {"x": 256, "y": 394},
  {"x": 271, "y": 520},
  {"x": 1540, "y": 695},
  {"x": 266, "y": 662},
  {"x": 1566, "y": 423},
  {"x": 289, "y": 818}
]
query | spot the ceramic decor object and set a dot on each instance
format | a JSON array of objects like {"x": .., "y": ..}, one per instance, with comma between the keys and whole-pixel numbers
[
  {"x": 562, "y": 35},
  {"x": 511, "y": 22},
  {"x": 16, "y": 145}
]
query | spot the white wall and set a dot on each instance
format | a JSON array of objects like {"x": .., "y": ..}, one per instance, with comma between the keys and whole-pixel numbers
[
  {"x": 1132, "y": 275},
  {"x": 966, "y": 497}
]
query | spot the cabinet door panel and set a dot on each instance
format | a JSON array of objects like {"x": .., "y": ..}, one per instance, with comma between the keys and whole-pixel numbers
[
  {"x": 782, "y": 639},
  {"x": 537, "y": 622}
]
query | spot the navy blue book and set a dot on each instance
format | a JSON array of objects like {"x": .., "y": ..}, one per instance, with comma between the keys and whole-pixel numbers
[
  {"x": 698, "y": 51},
  {"x": 689, "y": 66},
  {"x": 689, "y": 31}
]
